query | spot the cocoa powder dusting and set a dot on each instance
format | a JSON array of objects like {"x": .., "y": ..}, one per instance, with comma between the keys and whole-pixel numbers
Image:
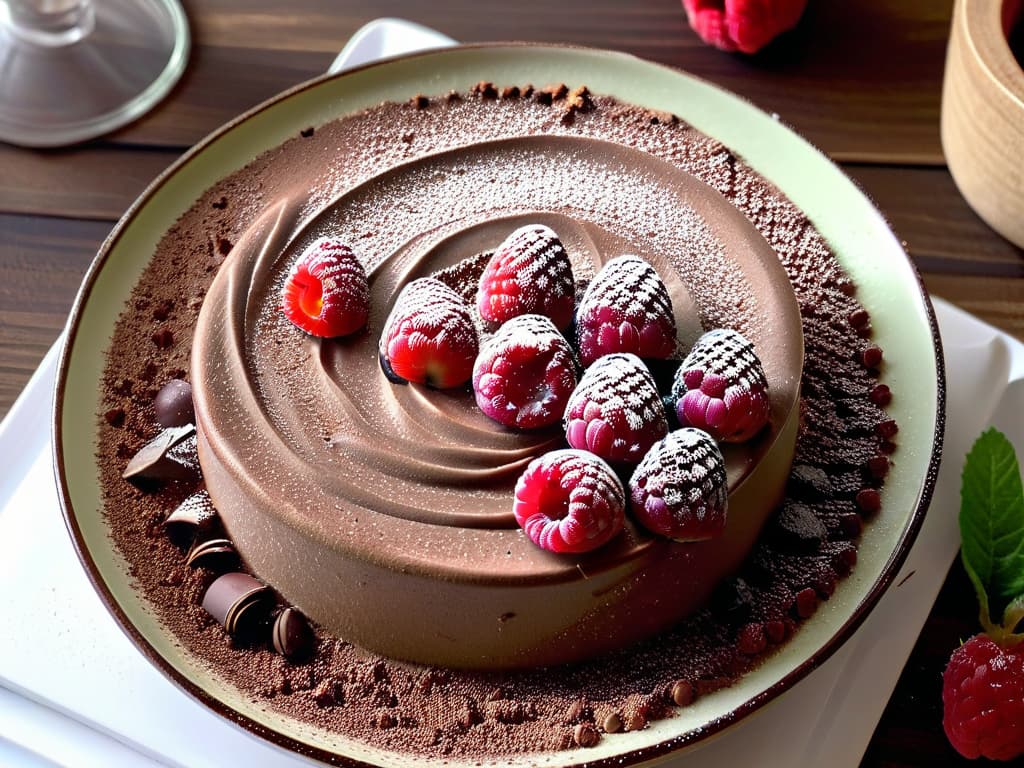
[{"x": 440, "y": 712}]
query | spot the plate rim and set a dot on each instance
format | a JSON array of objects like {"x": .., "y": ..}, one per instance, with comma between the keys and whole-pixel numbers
[{"x": 634, "y": 755}]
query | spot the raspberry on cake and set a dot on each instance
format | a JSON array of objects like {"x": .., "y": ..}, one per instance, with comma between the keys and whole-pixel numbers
[
  {"x": 569, "y": 501},
  {"x": 679, "y": 489},
  {"x": 429, "y": 338},
  {"x": 524, "y": 374},
  {"x": 616, "y": 411},
  {"x": 721, "y": 387},
  {"x": 326, "y": 294},
  {"x": 626, "y": 308},
  {"x": 529, "y": 273}
]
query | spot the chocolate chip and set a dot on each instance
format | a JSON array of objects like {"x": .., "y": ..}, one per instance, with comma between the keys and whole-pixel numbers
[
  {"x": 220, "y": 204},
  {"x": 858, "y": 318},
  {"x": 585, "y": 735},
  {"x": 173, "y": 404},
  {"x": 485, "y": 90},
  {"x": 195, "y": 516},
  {"x": 887, "y": 429},
  {"x": 682, "y": 693},
  {"x": 213, "y": 554},
  {"x": 868, "y": 501},
  {"x": 878, "y": 466},
  {"x": 612, "y": 723},
  {"x": 557, "y": 91},
  {"x": 115, "y": 417},
  {"x": 420, "y": 101},
  {"x": 163, "y": 338},
  {"x": 510, "y": 92},
  {"x": 292, "y": 636},
  {"x": 224, "y": 246},
  {"x": 239, "y": 602},
  {"x": 576, "y": 712},
  {"x": 806, "y": 603},
  {"x": 163, "y": 310},
  {"x": 797, "y": 528},
  {"x": 155, "y": 460},
  {"x": 871, "y": 357},
  {"x": 880, "y": 395}
]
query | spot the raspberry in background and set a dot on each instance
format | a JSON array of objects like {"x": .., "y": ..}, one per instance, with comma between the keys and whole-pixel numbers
[
  {"x": 626, "y": 308},
  {"x": 524, "y": 374},
  {"x": 983, "y": 699},
  {"x": 721, "y": 387},
  {"x": 616, "y": 411},
  {"x": 569, "y": 501},
  {"x": 742, "y": 25},
  {"x": 326, "y": 293},
  {"x": 529, "y": 273},
  {"x": 429, "y": 337},
  {"x": 680, "y": 489},
  {"x": 983, "y": 685}
]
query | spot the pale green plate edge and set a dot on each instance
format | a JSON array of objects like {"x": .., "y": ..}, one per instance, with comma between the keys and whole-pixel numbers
[{"x": 888, "y": 284}]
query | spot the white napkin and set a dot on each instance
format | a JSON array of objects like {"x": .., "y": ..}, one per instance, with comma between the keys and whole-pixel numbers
[{"x": 75, "y": 691}]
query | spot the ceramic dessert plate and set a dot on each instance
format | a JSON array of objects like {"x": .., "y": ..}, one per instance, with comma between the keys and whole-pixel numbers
[{"x": 888, "y": 286}]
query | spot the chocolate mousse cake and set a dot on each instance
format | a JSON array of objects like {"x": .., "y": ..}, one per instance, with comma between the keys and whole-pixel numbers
[{"x": 346, "y": 545}]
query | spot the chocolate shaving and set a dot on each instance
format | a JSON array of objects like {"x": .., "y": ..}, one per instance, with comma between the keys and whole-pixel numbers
[{"x": 155, "y": 460}]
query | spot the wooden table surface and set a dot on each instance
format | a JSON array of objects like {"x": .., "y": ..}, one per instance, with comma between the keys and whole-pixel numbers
[{"x": 862, "y": 80}]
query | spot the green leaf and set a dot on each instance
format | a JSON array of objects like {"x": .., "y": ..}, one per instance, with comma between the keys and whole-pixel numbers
[{"x": 992, "y": 523}]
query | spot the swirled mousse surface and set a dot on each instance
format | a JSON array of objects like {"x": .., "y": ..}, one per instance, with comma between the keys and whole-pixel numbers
[
  {"x": 841, "y": 453},
  {"x": 403, "y": 494}
]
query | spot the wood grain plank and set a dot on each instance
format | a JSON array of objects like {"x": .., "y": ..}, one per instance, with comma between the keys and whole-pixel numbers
[
  {"x": 940, "y": 230},
  {"x": 42, "y": 262},
  {"x": 995, "y": 300},
  {"x": 91, "y": 182},
  {"x": 861, "y": 80}
]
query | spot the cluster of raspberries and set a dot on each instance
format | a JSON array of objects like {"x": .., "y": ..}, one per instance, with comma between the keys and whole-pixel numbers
[{"x": 524, "y": 376}]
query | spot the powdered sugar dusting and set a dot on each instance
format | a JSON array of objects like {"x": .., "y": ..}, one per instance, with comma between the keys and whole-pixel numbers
[{"x": 616, "y": 410}]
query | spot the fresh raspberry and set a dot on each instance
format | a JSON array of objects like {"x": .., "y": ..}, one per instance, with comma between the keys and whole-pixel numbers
[
  {"x": 524, "y": 373},
  {"x": 616, "y": 411},
  {"x": 722, "y": 388},
  {"x": 983, "y": 699},
  {"x": 679, "y": 490},
  {"x": 569, "y": 501},
  {"x": 742, "y": 25},
  {"x": 529, "y": 273},
  {"x": 325, "y": 294},
  {"x": 429, "y": 337},
  {"x": 626, "y": 308}
]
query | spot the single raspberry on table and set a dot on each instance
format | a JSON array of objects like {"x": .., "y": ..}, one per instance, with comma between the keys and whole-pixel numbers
[
  {"x": 429, "y": 337},
  {"x": 983, "y": 699},
  {"x": 742, "y": 25},
  {"x": 326, "y": 293},
  {"x": 616, "y": 411},
  {"x": 524, "y": 374},
  {"x": 569, "y": 501},
  {"x": 722, "y": 388},
  {"x": 529, "y": 274},
  {"x": 680, "y": 490},
  {"x": 626, "y": 308}
]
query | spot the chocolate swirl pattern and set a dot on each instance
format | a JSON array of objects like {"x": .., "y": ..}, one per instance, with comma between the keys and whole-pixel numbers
[{"x": 400, "y": 497}]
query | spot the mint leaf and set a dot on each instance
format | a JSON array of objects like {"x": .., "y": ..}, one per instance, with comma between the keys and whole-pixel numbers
[{"x": 992, "y": 524}]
